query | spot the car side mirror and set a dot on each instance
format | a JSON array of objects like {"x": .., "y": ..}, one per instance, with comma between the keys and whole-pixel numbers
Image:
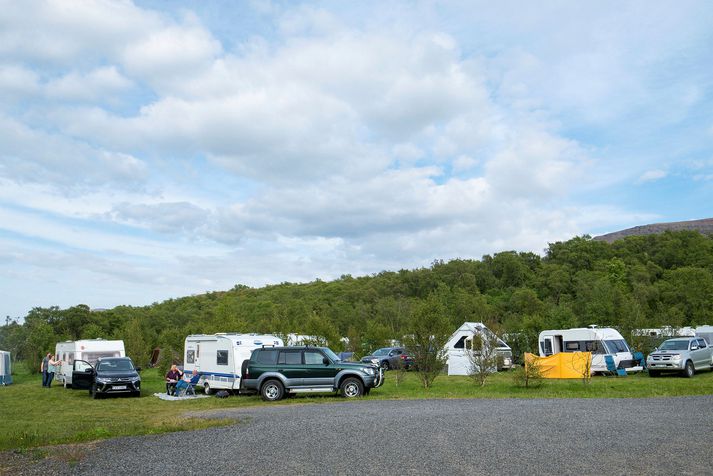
[
  {"x": 694, "y": 347},
  {"x": 138, "y": 369},
  {"x": 325, "y": 361}
]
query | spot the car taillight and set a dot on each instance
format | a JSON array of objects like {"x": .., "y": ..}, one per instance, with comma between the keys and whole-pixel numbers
[{"x": 404, "y": 357}]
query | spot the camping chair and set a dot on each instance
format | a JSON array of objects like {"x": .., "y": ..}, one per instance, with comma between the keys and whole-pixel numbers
[
  {"x": 611, "y": 367},
  {"x": 639, "y": 358},
  {"x": 187, "y": 388}
]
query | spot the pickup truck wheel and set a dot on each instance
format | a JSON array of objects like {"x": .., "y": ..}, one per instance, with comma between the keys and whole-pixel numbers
[
  {"x": 689, "y": 371},
  {"x": 654, "y": 373},
  {"x": 352, "y": 387},
  {"x": 272, "y": 391},
  {"x": 206, "y": 388}
]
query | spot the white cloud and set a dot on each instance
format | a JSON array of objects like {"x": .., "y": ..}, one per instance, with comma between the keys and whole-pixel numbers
[
  {"x": 316, "y": 143},
  {"x": 652, "y": 176},
  {"x": 34, "y": 156},
  {"x": 97, "y": 85}
]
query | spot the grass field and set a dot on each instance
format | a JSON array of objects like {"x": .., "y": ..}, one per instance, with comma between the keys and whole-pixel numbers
[{"x": 32, "y": 416}]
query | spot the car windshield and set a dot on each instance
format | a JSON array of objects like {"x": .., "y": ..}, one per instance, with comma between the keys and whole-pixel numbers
[
  {"x": 674, "y": 345},
  {"x": 332, "y": 356},
  {"x": 384, "y": 351},
  {"x": 114, "y": 365},
  {"x": 615, "y": 346}
]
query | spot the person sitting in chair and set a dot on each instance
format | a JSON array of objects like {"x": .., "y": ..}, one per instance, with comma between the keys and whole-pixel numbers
[
  {"x": 187, "y": 383},
  {"x": 172, "y": 378}
]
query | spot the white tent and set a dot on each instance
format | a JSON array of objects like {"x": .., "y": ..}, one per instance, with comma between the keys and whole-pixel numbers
[
  {"x": 5, "y": 368},
  {"x": 461, "y": 340}
]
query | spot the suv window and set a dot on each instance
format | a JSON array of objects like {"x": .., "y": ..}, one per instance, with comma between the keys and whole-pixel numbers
[
  {"x": 313, "y": 357},
  {"x": 702, "y": 343},
  {"x": 266, "y": 357},
  {"x": 288, "y": 357}
]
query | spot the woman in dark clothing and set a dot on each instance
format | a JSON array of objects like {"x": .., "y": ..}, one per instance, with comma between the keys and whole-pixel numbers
[{"x": 172, "y": 377}]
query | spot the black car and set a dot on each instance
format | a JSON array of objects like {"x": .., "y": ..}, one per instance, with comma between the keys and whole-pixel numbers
[{"x": 112, "y": 375}]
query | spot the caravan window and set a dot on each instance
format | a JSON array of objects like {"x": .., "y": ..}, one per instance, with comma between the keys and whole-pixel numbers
[
  {"x": 594, "y": 346},
  {"x": 92, "y": 357},
  {"x": 461, "y": 343},
  {"x": 222, "y": 357},
  {"x": 190, "y": 356},
  {"x": 615, "y": 346},
  {"x": 572, "y": 346}
]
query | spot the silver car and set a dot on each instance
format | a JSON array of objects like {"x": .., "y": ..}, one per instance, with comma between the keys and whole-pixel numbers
[{"x": 685, "y": 355}]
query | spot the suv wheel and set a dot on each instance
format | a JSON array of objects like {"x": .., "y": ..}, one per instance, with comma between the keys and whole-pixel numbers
[
  {"x": 689, "y": 371},
  {"x": 385, "y": 365},
  {"x": 206, "y": 389},
  {"x": 352, "y": 387},
  {"x": 272, "y": 391}
]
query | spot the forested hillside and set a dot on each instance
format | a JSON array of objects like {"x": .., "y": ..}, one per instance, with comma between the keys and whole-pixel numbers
[{"x": 637, "y": 282}]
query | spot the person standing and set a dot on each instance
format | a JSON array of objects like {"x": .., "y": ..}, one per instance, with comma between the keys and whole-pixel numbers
[
  {"x": 45, "y": 369},
  {"x": 53, "y": 363}
]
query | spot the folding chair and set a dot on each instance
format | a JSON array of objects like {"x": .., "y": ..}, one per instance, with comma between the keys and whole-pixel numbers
[
  {"x": 612, "y": 368},
  {"x": 189, "y": 388}
]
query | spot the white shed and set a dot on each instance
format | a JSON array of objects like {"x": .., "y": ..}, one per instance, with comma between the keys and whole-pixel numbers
[
  {"x": 5, "y": 368},
  {"x": 461, "y": 340}
]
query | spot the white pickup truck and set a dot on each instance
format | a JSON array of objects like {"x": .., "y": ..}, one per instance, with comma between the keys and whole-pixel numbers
[{"x": 684, "y": 354}]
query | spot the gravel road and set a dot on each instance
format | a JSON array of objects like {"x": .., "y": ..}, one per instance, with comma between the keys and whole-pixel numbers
[{"x": 503, "y": 436}]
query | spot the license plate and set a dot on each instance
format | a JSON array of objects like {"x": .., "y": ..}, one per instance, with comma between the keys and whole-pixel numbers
[{"x": 119, "y": 387}]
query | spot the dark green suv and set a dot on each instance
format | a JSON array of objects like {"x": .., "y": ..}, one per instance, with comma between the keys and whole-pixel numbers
[{"x": 275, "y": 371}]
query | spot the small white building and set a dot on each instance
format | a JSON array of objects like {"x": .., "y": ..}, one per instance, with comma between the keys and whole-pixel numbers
[
  {"x": 461, "y": 343},
  {"x": 5, "y": 368},
  {"x": 219, "y": 357}
]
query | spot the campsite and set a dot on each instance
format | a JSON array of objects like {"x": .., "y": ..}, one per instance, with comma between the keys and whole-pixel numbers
[{"x": 67, "y": 416}]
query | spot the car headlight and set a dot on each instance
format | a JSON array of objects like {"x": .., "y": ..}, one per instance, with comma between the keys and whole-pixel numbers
[
  {"x": 676, "y": 357},
  {"x": 368, "y": 370},
  {"x": 103, "y": 380},
  {"x": 374, "y": 361}
]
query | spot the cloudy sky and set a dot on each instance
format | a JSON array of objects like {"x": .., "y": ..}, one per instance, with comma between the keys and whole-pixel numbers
[{"x": 155, "y": 149}]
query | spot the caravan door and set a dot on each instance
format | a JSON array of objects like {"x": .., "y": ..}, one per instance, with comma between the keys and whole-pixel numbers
[{"x": 548, "y": 345}]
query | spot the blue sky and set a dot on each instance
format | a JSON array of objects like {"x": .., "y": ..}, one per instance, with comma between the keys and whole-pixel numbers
[{"x": 154, "y": 149}]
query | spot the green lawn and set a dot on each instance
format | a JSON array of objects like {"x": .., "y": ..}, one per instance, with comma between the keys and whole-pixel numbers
[{"x": 32, "y": 416}]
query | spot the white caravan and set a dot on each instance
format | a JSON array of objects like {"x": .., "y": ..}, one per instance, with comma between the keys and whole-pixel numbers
[
  {"x": 5, "y": 368},
  {"x": 461, "y": 342},
  {"x": 600, "y": 341},
  {"x": 89, "y": 350},
  {"x": 705, "y": 332},
  {"x": 219, "y": 357}
]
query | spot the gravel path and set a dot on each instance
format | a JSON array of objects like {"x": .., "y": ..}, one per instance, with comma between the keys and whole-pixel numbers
[{"x": 569, "y": 436}]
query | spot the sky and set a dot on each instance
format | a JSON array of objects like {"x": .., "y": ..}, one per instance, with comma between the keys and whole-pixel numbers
[{"x": 152, "y": 149}]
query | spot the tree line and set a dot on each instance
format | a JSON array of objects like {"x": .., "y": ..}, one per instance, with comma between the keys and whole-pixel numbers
[{"x": 637, "y": 282}]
